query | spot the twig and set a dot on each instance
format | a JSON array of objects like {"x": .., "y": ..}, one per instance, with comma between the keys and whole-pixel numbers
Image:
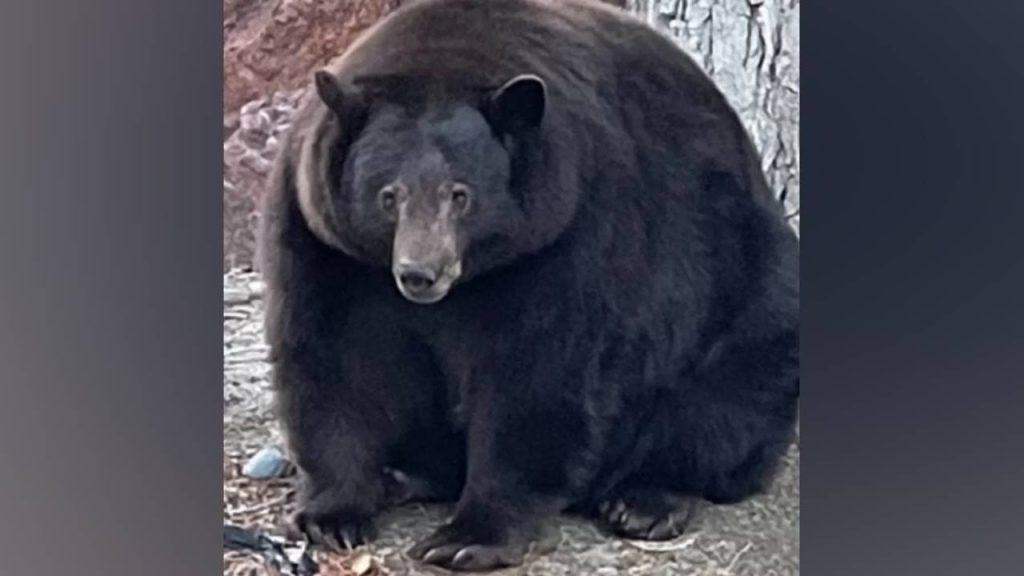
[
  {"x": 666, "y": 546},
  {"x": 260, "y": 506},
  {"x": 736, "y": 558}
]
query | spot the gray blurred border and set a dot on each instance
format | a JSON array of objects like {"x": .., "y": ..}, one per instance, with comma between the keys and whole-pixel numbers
[
  {"x": 110, "y": 291},
  {"x": 913, "y": 323}
]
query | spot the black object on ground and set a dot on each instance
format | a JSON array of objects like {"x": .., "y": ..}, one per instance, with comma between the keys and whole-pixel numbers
[{"x": 287, "y": 559}]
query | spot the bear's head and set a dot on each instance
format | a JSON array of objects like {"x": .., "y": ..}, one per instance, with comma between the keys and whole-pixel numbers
[{"x": 425, "y": 188}]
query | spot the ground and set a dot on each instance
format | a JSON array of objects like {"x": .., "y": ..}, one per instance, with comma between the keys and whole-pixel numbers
[{"x": 760, "y": 537}]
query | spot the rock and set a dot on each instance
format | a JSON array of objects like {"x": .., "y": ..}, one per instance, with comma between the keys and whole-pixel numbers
[
  {"x": 270, "y": 462},
  {"x": 249, "y": 153},
  {"x": 235, "y": 296},
  {"x": 362, "y": 564},
  {"x": 256, "y": 287}
]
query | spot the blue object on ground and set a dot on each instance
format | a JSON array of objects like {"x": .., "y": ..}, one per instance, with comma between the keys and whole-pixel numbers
[{"x": 269, "y": 462}]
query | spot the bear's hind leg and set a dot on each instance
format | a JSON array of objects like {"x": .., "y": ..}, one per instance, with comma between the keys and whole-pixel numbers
[
  {"x": 746, "y": 418},
  {"x": 692, "y": 455},
  {"x": 717, "y": 437}
]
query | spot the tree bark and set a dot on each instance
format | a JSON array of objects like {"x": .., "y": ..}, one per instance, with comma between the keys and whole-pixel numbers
[{"x": 751, "y": 49}]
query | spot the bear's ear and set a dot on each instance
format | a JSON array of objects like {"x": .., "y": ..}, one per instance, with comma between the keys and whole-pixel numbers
[
  {"x": 518, "y": 105},
  {"x": 342, "y": 102}
]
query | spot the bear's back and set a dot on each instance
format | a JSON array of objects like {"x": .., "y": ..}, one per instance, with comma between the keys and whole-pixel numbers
[
  {"x": 617, "y": 87},
  {"x": 588, "y": 53}
]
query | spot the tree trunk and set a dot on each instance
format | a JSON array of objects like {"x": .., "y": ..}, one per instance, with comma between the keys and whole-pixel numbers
[{"x": 751, "y": 49}]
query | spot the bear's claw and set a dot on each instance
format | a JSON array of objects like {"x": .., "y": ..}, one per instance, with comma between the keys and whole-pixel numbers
[
  {"x": 450, "y": 548},
  {"x": 649, "y": 515}
]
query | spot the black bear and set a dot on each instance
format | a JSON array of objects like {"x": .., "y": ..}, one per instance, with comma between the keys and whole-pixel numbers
[{"x": 521, "y": 254}]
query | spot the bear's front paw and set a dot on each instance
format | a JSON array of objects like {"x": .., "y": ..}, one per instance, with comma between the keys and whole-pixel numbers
[
  {"x": 333, "y": 527},
  {"x": 458, "y": 548}
]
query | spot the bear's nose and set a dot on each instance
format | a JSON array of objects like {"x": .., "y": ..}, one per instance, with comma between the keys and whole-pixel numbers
[{"x": 415, "y": 277}]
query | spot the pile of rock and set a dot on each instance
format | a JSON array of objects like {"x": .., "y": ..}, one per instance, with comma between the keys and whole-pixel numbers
[{"x": 249, "y": 152}]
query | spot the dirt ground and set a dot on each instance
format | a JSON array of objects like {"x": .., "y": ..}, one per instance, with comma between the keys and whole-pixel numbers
[{"x": 760, "y": 537}]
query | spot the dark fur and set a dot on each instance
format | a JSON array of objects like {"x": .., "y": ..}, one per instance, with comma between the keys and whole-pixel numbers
[{"x": 632, "y": 339}]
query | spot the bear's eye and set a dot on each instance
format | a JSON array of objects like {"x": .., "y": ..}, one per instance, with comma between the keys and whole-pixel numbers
[
  {"x": 388, "y": 199},
  {"x": 460, "y": 197}
]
